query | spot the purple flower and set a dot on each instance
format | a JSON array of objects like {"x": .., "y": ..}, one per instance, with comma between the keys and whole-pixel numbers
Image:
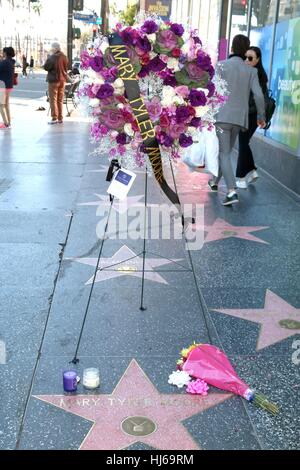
[
  {"x": 182, "y": 114},
  {"x": 177, "y": 29},
  {"x": 110, "y": 75},
  {"x": 185, "y": 140},
  {"x": 96, "y": 63},
  {"x": 166, "y": 140},
  {"x": 85, "y": 60},
  {"x": 129, "y": 36},
  {"x": 105, "y": 91},
  {"x": 176, "y": 130},
  {"x": 170, "y": 81},
  {"x": 197, "y": 40},
  {"x": 156, "y": 65},
  {"x": 195, "y": 122},
  {"x": 211, "y": 89},
  {"x": 121, "y": 139},
  {"x": 144, "y": 71},
  {"x": 149, "y": 27},
  {"x": 143, "y": 44},
  {"x": 167, "y": 39},
  {"x": 197, "y": 98},
  {"x": 113, "y": 119},
  {"x": 203, "y": 60},
  {"x": 211, "y": 71}
]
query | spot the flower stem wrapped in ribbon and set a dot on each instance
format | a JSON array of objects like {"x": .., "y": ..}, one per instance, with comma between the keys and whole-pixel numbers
[{"x": 208, "y": 363}]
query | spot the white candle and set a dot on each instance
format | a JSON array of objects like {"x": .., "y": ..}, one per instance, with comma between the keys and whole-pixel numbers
[{"x": 91, "y": 378}]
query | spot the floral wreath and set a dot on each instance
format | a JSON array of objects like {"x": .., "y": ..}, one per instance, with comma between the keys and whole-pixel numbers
[{"x": 177, "y": 81}]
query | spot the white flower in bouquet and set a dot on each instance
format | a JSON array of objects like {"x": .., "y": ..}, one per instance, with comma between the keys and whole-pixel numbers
[
  {"x": 173, "y": 64},
  {"x": 151, "y": 37},
  {"x": 201, "y": 111},
  {"x": 179, "y": 378},
  {"x": 185, "y": 48},
  {"x": 119, "y": 86},
  {"x": 104, "y": 45},
  {"x": 94, "y": 102},
  {"x": 169, "y": 94},
  {"x": 205, "y": 90},
  {"x": 178, "y": 100},
  {"x": 120, "y": 106},
  {"x": 128, "y": 129},
  {"x": 99, "y": 81}
]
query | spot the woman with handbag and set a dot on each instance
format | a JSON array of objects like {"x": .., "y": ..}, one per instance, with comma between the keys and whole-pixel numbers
[
  {"x": 246, "y": 170},
  {"x": 7, "y": 78}
]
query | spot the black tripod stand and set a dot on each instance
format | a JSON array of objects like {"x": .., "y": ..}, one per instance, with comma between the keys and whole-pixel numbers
[{"x": 113, "y": 168}]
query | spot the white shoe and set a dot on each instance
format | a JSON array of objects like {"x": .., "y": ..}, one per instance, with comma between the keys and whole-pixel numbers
[
  {"x": 252, "y": 177},
  {"x": 241, "y": 183},
  {"x": 52, "y": 122}
]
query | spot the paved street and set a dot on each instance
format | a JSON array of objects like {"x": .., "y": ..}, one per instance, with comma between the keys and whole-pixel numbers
[{"x": 239, "y": 292}]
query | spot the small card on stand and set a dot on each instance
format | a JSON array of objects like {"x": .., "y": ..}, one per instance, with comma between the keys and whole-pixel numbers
[{"x": 121, "y": 183}]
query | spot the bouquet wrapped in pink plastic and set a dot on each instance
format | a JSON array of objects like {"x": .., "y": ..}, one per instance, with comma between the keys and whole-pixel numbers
[{"x": 206, "y": 362}]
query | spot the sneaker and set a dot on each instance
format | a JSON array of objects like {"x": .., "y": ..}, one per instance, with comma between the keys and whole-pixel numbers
[
  {"x": 3, "y": 126},
  {"x": 252, "y": 177},
  {"x": 60, "y": 121},
  {"x": 213, "y": 186},
  {"x": 229, "y": 200},
  {"x": 241, "y": 183},
  {"x": 53, "y": 122}
]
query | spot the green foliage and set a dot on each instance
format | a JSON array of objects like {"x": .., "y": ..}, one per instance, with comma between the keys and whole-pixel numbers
[{"x": 128, "y": 15}]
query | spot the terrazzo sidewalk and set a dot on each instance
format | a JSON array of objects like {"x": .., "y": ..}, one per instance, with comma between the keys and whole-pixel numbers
[{"x": 239, "y": 292}]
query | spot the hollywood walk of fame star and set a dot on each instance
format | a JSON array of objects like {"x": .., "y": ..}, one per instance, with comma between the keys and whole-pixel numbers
[
  {"x": 136, "y": 412},
  {"x": 119, "y": 206},
  {"x": 279, "y": 320},
  {"x": 121, "y": 265},
  {"x": 221, "y": 230}
]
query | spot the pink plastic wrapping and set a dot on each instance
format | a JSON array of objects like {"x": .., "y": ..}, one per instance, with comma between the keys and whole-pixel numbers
[{"x": 210, "y": 364}]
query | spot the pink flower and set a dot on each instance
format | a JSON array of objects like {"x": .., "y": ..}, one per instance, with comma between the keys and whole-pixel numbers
[
  {"x": 197, "y": 387},
  {"x": 113, "y": 119},
  {"x": 154, "y": 109},
  {"x": 164, "y": 120},
  {"x": 195, "y": 72},
  {"x": 176, "y": 130},
  {"x": 182, "y": 91},
  {"x": 167, "y": 39}
]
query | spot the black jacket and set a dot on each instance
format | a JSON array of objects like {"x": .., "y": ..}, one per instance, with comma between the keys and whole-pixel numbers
[{"x": 7, "y": 70}]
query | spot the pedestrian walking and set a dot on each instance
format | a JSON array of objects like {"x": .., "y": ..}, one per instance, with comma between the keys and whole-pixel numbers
[
  {"x": 246, "y": 171},
  {"x": 24, "y": 66},
  {"x": 7, "y": 72},
  {"x": 31, "y": 66},
  {"x": 234, "y": 115},
  {"x": 57, "y": 68}
]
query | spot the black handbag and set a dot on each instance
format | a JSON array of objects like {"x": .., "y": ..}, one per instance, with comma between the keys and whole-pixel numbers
[{"x": 270, "y": 108}]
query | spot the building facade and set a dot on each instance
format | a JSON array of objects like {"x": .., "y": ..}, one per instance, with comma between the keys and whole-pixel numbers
[{"x": 274, "y": 26}]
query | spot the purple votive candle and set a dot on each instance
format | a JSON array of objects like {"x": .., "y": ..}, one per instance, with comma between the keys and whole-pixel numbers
[{"x": 70, "y": 381}]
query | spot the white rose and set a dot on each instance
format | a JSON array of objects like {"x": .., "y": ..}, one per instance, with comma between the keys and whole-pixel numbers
[
  {"x": 128, "y": 130},
  {"x": 178, "y": 100},
  {"x": 151, "y": 37},
  {"x": 104, "y": 46},
  {"x": 94, "y": 102},
  {"x": 173, "y": 64},
  {"x": 201, "y": 111},
  {"x": 168, "y": 95},
  {"x": 118, "y": 83},
  {"x": 185, "y": 48},
  {"x": 99, "y": 81}
]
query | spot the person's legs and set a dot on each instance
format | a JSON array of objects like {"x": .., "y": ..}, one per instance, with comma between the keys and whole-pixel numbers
[
  {"x": 7, "y": 109},
  {"x": 53, "y": 93},
  {"x": 245, "y": 159},
  {"x": 60, "y": 100},
  {"x": 227, "y": 134},
  {"x": 2, "y": 106}
]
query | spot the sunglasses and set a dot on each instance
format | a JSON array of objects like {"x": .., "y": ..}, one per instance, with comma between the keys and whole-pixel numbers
[{"x": 250, "y": 58}]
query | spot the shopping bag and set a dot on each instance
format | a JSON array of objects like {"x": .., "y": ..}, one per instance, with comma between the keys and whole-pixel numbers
[{"x": 203, "y": 155}]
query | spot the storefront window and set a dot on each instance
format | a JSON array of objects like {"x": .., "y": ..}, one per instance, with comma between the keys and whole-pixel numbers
[
  {"x": 289, "y": 9},
  {"x": 239, "y": 18},
  {"x": 262, "y": 27}
]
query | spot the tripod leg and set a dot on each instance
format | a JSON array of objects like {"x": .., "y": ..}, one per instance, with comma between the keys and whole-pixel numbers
[{"x": 142, "y": 307}]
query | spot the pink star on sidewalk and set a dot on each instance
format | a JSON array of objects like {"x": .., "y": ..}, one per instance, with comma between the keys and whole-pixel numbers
[
  {"x": 136, "y": 412},
  {"x": 278, "y": 319},
  {"x": 220, "y": 230},
  {"x": 120, "y": 264}
]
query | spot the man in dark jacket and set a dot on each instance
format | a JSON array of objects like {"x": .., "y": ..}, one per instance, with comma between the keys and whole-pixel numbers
[{"x": 57, "y": 68}]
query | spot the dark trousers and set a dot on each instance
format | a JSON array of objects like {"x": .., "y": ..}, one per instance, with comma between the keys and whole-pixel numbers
[{"x": 245, "y": 160}]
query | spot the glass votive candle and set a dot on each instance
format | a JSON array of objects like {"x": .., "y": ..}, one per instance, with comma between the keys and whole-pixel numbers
[
  {"x": 70, "y": 381},
  {"x": 91, "y": 378}
]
